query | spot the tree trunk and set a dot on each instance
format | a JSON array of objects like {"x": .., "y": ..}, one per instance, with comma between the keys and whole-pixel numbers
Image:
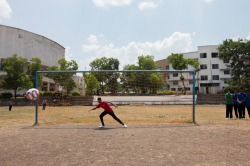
[
  {"x": 183, "y": 84},
  {"x": 239, "y": 83},
  {"x": 15, "y": 92}
]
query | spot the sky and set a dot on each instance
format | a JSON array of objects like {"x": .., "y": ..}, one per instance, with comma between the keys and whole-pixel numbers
[{"x": 126, "y": 29}]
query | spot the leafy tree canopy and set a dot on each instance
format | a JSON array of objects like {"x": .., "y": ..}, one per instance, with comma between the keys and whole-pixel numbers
[
  {"x": 64, "y": 79},
  {"x": 35, "y": 66},
  {"x": 105, "y": 64},
  {"x": 144, "y": 82},
  {"x": 238, "y": 52},
  {"x": 178, "y": 62},
  {"x": 91, "y": 82},
  {"x": 109, "y": 79},
  {"x": 16, "y": 78}
]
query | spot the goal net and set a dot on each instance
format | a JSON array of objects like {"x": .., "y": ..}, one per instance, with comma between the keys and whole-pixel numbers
[{"x": 141, "y": 96}]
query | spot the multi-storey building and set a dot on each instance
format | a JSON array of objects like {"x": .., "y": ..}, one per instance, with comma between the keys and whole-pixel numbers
[
  {"x": 30, "y": 45},
  {"x": 210, "y": 79}
]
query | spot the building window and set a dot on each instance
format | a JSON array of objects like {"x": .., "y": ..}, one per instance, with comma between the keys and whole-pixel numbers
[
  {"x": 167, "y": 77},
  {"x": 216, "y": 77},
  {"x": 175, "y": 75},
  {"x": 225, "y": 61},
  {"x": 203, "y": 55},
  {"x": 167, "y": 67},
  {"x": 203, "y": 67},
  {"x": 226, "y": 72},
  {"x": 173, "y": 89},
  {"x": 2, "y": 66},
  {"x": 175, "y": 83},
  {"x": 188, "y": 89},
  {"x": 203, "y": 78},
  {"x": 215, "y": 66},
  {"x": 158, "y": 68},
  {"x": 225, "y": 81},
  {"x": 190, "y": 81},
  {"x": 215, "y": 55},
  {"x": 179, "y": 89}
]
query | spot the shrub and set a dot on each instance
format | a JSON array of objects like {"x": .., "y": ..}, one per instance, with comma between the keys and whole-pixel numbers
[
  {"x": 46, "y": 93},
  {"x": 6, "y": 95},
  {"x": 75, "y": 93},
  {"x": 230, "y": 87},
  {"x": 171, "y": 92}
]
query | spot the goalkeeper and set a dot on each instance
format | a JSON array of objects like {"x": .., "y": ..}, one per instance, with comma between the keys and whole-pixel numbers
[{"x": 107, "y": 110}]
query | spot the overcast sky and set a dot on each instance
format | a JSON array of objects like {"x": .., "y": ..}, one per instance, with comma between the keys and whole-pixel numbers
[{"x": 126, "y": 29}]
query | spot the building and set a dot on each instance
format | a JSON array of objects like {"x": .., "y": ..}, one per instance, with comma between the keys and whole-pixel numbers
[
  {"x": 30, "y": 45},
  {"x": 81, "y": 85},
  {"x": 163, "y": 65},
  {"x": 210, "y": 79}
]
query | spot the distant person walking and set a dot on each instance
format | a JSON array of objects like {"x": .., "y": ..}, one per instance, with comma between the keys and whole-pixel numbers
[
  {"x": 241, "y": 100},
  {"x": 10, "y": 104},
  {"x": 44, "y": 104},
  {"x": 229, "y": 104},
  {"x": 235, "y": 103},
  {"x": 248, "y": 102}
]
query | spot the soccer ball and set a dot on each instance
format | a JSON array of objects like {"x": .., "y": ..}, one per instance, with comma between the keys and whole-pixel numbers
[{"x": 32, "y": 94}]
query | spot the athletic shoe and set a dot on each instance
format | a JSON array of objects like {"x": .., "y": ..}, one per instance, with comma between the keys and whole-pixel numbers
[
  {"x": 125, "y": 126},
  {"x": 101, "y": 126},
  {"x": 226, "y": 118},
  {"x": 231, "y": 118}
]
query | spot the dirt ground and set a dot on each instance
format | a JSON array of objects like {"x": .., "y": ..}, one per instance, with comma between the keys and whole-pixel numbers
[{"x": 205, "y": 143}]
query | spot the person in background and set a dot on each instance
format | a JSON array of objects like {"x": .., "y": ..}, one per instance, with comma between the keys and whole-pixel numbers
[
  {"x": 235, "y": 103},
  {"x": 54, "y": 102},
  {"x": 248, "y": 102},
  {"x": 229, "y": 104},
  {"x": 241, "y": 98},
  {"x": 44, "y": 104},
  {"x": 10, "y": 104}
]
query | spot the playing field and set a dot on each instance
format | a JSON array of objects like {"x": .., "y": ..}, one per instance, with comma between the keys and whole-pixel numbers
[{"x": 150, "y": 139}]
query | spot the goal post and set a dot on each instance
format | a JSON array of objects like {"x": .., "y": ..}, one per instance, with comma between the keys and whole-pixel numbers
[{"x": 59, "y": 77}]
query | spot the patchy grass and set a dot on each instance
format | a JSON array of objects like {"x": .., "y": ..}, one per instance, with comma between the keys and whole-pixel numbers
[{"x": 128, "y": 114}]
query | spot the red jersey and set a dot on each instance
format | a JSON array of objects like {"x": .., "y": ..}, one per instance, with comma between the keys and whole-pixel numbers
[{"x": 105, "y": 106}]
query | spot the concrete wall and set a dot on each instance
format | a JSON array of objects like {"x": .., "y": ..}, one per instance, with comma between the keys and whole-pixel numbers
[
  {"x": 148, "y": 100},
  {"x": 18, "y": 102}
]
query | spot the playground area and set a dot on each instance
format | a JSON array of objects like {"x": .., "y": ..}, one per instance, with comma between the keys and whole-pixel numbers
[{"x": 150, "y": 139}]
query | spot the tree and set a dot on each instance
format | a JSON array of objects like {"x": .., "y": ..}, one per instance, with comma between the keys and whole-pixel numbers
[
  {"x": 238, "y": 52},
  {"x": 91, "y": 82},
  {"x": 64, "y": 79},
  {"x": 178, "y": 62},
  {"x": 16, "y": 78},
  {"x": 33, "y": 68},
  {"x": 156, "y": 82},
  {"x": 144, "y": 82},
  {"x": 146, "y": 62},
  {"x": 109, "y": 79}
]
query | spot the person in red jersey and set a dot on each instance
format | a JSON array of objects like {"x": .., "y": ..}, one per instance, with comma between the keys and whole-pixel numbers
[{"x": 107, "y": 110}]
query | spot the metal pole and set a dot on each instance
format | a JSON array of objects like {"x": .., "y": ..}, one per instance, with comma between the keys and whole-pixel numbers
[
  {"x": 194, "y": 96},
  {"x": 37, "y": 99}
]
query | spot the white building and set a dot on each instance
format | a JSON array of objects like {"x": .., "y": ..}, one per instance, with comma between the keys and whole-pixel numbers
[
  {"x": 29, "y": 45},
  {"x": 81, "y": 85},
  {"x": 212, "y": 76}
]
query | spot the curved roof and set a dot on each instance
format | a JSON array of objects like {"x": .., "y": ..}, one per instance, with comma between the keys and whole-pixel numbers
[{"x": 32, "y": 33}]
